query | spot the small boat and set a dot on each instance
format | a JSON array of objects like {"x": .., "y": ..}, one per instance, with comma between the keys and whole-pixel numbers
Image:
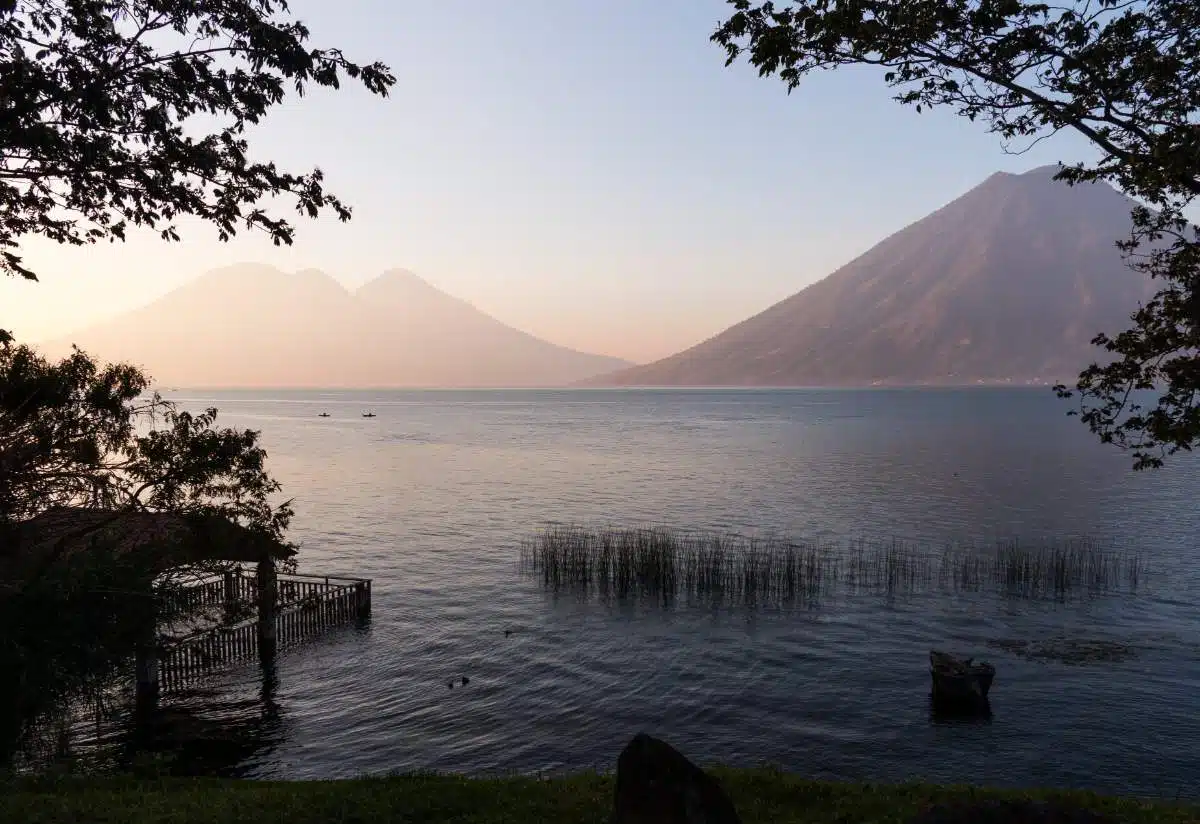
[
  {"x": 323, "y": 415},
  {"x": 959, "y": 681},
  {"x": 368, "y": 414}
]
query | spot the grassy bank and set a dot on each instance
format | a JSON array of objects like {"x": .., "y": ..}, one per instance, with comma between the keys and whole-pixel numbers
[{"x": 760, "y": 795}]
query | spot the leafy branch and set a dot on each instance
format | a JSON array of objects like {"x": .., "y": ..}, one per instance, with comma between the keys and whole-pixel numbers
[
  {"x": 1125, "y": 74},
  {"x": 119, "y": 113}
]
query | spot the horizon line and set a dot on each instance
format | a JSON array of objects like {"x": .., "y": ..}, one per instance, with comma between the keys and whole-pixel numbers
[{"x": 978, "y": 384}]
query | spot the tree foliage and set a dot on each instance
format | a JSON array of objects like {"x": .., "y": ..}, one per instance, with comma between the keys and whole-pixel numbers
[
  {"x": 76, "y": 433},
  {"x": 63, "y": 636},
  {"x": 119, "y": 113},
  {"x": 1123, "y": 73}
]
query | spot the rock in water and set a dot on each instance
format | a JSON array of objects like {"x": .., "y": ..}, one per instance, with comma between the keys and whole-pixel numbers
[
  {"x": 656, "y": 784},
  {"x": 1008, "y": 812}
]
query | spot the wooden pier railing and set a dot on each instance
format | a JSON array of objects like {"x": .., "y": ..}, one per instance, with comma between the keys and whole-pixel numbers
[
  {"x": 209, "y": 592},
  {"x": 306, "y": 606}
]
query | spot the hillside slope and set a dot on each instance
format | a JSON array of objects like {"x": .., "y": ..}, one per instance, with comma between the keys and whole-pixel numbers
[
  {"x": 1011, "y": 281},
  {"x": 256, "y": 326}
]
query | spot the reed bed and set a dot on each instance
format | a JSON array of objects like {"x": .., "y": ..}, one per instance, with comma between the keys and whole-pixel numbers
[{"x": 667, "y": 564}]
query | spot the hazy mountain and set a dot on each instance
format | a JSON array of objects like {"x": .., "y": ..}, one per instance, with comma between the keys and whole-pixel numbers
[
  {"x": 1010, "y": 281},
  {"x": 253, "y": 325}
]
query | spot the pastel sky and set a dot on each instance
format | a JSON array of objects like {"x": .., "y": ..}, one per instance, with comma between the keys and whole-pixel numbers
[{"x": 590, "y": 172}]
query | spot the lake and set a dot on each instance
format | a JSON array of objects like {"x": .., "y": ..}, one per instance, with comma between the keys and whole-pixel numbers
[{"x": 432, "y": 498}]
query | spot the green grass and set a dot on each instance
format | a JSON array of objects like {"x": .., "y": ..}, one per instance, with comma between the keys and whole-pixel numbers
[{"x": 761, "y": 795}]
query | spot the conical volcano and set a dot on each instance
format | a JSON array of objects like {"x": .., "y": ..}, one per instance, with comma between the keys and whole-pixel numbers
[
  {"x": 1008, "y": 283},
  {"x": 256, "y": 326}
]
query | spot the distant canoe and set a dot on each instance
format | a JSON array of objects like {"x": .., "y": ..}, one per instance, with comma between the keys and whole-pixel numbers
[
  {"x": 368, "y": 414},
  {"x": 323, "y": 415}
]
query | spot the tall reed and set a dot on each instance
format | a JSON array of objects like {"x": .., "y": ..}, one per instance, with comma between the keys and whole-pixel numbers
[{"x": 666, "y": 564}]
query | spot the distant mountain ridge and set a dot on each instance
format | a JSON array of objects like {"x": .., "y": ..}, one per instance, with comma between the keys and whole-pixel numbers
[
  {"x": 252, "y": 325},
  {"x": 1008, "y": 283}
]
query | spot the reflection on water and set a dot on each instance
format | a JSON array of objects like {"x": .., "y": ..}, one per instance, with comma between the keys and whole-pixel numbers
[
  {"x": 952, "y": 716},
  {"x": 433, "y": 497},
  {"x": 205, "y": 733}
]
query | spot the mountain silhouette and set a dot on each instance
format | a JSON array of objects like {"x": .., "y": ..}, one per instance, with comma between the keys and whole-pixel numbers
[
  {"x": 1009, "y": 282},
  {"x": 252, "y": 325}
]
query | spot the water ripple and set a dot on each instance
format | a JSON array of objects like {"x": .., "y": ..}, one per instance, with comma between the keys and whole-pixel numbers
[{"x": 432, "y": 498}]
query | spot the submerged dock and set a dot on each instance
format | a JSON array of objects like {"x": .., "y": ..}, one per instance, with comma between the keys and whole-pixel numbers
[{"x": 251, "y": 621}]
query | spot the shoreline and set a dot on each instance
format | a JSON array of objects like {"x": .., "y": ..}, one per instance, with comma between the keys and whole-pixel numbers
[{"x": 760, "y": 795}]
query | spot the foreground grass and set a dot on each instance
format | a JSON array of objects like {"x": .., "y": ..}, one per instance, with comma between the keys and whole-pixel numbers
[{"x": 760, "y": 795}]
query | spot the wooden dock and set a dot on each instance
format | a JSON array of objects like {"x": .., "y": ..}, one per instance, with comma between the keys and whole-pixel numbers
[{"x": 305, "y": 606}]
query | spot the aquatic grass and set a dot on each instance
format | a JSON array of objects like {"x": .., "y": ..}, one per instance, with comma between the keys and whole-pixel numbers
[
  {"x": 665, "y": 564},
  {"x": 761, "y": 795},
  {"x": 1071, "y": 651}
]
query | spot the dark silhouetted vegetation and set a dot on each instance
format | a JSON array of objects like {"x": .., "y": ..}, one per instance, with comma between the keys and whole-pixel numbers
[
  {"x": 1125, "y": 76},
  {"x": 105, "y": 492},
  {"x": 117, "y": 114},
  {"x": 665, "y": 564},
  {"x": 76, "y": 433},
  {"x": 120, "y": 113}
]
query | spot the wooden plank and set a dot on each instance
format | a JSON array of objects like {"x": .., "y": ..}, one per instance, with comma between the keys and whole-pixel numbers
[{"x": 306, "y": 607}]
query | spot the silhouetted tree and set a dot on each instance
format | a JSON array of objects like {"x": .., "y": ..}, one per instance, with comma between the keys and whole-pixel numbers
[
  {"x": 1123, "y": 73},
  {"x": 134, "y": 112},
  {"x": 119, "y": 113},
  {"x": 80, "y": 436}
]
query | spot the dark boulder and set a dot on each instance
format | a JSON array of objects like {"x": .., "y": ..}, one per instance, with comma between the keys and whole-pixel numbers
[
  {"x": 656, "y": 784},
  {"x": 1008, "y": 812}
]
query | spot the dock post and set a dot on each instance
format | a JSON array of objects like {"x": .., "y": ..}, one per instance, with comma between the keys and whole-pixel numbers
[
  {"x": 268, "y": 585},
  {"x": 362, "y": 600},
  {"x": 230, "y": 592},
  {"x": 145, "y": 668}
]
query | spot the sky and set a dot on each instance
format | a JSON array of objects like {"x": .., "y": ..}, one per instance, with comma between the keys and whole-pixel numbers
[{"x": 589, "y": 172}]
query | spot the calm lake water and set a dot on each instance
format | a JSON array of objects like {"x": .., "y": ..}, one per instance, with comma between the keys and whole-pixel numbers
[{"x": 432, "y": 498}]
